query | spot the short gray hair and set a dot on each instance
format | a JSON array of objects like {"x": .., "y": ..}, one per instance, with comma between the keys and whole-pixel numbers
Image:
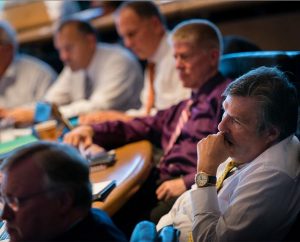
[
  {"x": 8, "y": 35},
  {"x": 200, "y": 32}
]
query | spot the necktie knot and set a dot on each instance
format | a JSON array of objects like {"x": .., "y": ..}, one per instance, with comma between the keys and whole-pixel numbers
[
  {"x": 228, "y": 168},
  {"x": 151, "y": 66}
]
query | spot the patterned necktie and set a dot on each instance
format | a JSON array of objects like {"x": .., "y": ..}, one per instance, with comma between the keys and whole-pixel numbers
[
  {"x": 151, "y": 91},
  {"x": 228, "y": 168},
  {"x": 185, "y": 114},
  {"x": 88, "y": 86}
]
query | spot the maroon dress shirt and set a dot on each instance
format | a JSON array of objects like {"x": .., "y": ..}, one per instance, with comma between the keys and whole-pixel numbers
[{"x": 181, "y": 160}]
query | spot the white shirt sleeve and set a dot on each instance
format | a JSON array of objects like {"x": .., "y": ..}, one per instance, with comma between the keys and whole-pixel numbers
[
  {"x": 121, "y": 81},
  {"x": 60, "y": 91},
  {"x": 25, "y": 81},
  {"x": 117, "y": 82},
  {"x": 251, "y": 210},
  {"x": 180, "y": 216}
]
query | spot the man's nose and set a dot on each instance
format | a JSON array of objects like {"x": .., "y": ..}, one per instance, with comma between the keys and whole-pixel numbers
[
  {"x": 64, "y": 56},
  {"x": 128, "y": 42},
  {"x": 178, "y": 63},
  {"x": 222, "y": 125}
]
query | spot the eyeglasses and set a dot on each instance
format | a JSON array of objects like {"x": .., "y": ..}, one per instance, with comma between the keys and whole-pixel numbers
[{"x": 14, "y": 202}]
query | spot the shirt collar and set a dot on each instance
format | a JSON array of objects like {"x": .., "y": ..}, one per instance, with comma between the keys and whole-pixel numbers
[
  {"x": 163, "y": 47},
  {"x": 11, "y": 71},
  {"x": 209, "y": 85},
  {"x": 93, "y": 63}
]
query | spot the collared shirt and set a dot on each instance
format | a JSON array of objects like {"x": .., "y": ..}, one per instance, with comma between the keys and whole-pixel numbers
[
  {"x": 258, "y": 202},
  {"x": 181, "y": 160},
  {"x": 167, "y": 85},
  {"x": 25, "y": 81},
  {"x": 117, "y": 81}
]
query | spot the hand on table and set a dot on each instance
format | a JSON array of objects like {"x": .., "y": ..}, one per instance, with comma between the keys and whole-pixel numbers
[
  {"x": 170, "y": 188},
  {"x": 81, "y": 135},
  {"x": 20, "y": 115},
  {"x": 2, "y": 112},
  {"x": 90, "y": 151}
]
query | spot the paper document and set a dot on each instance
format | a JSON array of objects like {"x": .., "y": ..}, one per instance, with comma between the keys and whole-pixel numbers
[{"x": 102, "y": 189}]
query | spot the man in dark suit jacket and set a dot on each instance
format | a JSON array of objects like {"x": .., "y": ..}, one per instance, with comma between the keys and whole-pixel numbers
[{"x": 46, "y": 196}]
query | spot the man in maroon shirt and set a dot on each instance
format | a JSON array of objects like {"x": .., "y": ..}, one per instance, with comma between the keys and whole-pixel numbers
[{"x": 197, "y": 48}]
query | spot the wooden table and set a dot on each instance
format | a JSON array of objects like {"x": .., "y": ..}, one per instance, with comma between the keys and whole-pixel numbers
[{"x": 130, "y": 171}]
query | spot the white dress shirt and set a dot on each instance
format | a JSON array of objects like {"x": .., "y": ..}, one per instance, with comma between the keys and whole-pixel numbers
[
  {"x": 25, "y": 81},
  {"x": 180, "y": 216},
  {"x": 117, "y": 81},
  {"x": 258, "y": 202},
  {"x": 167, "y": 85}
]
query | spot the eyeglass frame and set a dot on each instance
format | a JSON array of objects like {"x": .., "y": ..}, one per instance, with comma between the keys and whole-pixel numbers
[{"x": 14, "y": 201}]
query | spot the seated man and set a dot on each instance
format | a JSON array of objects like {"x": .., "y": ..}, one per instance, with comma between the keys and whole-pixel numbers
[
  {"x": 46, "y": 196},
  {"x": 23, "y": 79},
  {"x": 260, "y": 196},
  {"x": 177, "y": 129},
  {"x": 143, "y": 30},
  {"x": 95, "y": 77}
]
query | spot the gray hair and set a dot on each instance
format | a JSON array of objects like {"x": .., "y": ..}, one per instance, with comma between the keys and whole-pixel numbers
[
  {"x": 200, "y": 32},
  {"x": 275, "y": 94},
  {"x": 64, "y": 168},
  {"x": 8, "y": 35}
]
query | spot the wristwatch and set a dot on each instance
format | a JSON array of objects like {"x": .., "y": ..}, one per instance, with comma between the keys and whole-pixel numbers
[{"x": 202, "y": 179}]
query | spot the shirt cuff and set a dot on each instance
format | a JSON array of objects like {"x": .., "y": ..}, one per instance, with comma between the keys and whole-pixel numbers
[{"x": 204, "y": 200}]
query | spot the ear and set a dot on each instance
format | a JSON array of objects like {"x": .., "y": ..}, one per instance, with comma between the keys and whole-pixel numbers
[
  {"x": 272, "y": 134},
  {"x": 8, "y": 51},
  {"x": 156, "y": 24},
  {"x": 214, "y": 57},
  {"x": 66, "y": 201},
  {"x": 92, "y": 40}
]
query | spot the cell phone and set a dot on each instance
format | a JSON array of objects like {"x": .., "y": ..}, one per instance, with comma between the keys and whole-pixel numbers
[{"x": 103, "y": 158}]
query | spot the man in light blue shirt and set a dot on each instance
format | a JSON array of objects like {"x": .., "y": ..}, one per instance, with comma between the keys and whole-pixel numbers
[
  {"x": 23, "y": 79},
  {"x": 96, "y": 76}
]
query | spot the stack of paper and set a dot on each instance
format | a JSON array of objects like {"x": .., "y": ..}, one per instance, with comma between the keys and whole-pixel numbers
[{"x": 102, "y": 189}]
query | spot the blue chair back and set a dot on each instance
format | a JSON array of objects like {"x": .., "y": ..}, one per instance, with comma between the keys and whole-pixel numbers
[{"x": 236, "y": 64}]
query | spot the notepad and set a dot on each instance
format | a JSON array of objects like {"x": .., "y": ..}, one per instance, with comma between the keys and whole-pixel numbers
[{"x": 102, "y": 189}]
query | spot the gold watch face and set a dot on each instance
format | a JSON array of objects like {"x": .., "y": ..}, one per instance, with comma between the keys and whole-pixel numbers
[{"x": 201, "y": 179}]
